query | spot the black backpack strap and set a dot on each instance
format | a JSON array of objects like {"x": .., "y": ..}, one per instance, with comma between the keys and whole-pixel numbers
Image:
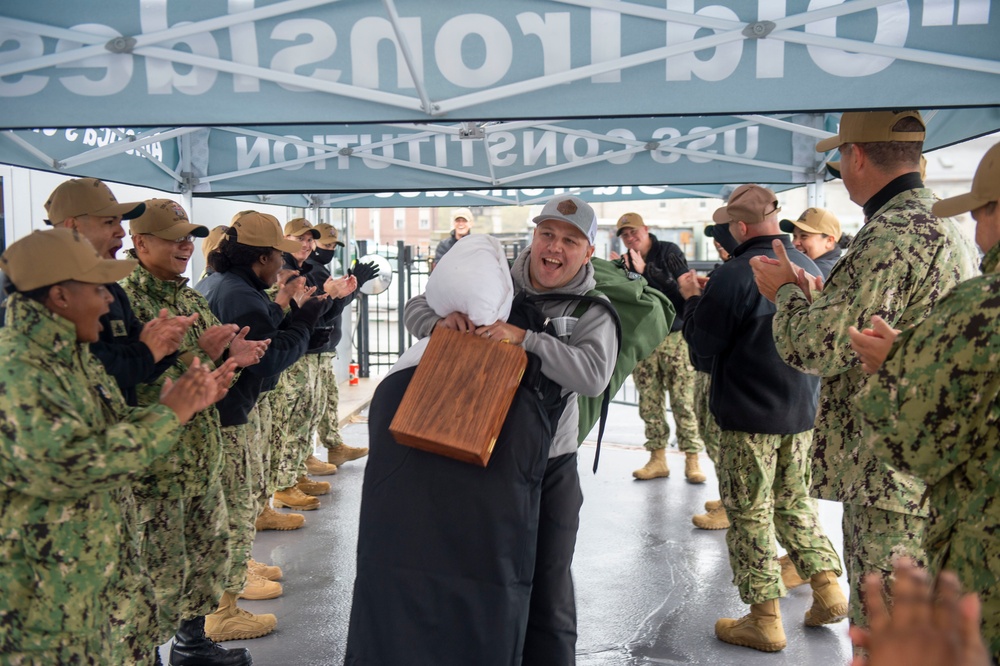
[{"x": 592, "y": 300}]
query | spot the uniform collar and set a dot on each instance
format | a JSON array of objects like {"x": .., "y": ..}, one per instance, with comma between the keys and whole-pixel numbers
[
  {"x": 42, "y": 327},
  {"x": 160, "y": 290},
  {"x": 991, "y": 261},
  {"x": 908, "y": 181}
]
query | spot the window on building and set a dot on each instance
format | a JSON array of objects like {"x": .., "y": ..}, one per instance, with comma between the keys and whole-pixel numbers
[
  {"x": 425, "y": 218},
  {"x": 399, "y": 218}
]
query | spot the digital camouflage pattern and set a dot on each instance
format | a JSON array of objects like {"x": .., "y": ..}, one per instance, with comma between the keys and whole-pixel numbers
[
  {"x": 709, "y": 429},
  {"x": 934, "y": 411},
  {"x": 194, "y": 463},
  {"x": 186, "y": 554},
  {"x": 873, "y": 537},
  {"x": 135, "y": 629},
  {"x": 264, "y": 476},
  {"x": 302, "y": 396},
  {"x": 764, "y": 482},
  {"x": 668, "y": 369},
  {"x": 241, "y": 500},
  {"x": 328, "y": 428},
  {"x": 67, "y": 443},
  {"x": 899, "y": 265}
]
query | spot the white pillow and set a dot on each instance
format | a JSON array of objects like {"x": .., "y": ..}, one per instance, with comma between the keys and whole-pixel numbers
[{"x": 472, "y": 278}]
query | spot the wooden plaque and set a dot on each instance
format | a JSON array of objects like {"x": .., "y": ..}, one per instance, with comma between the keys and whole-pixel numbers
[{"x": 457, "y": 401}]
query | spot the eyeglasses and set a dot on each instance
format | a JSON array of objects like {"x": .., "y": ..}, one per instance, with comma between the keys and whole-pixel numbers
[{"x": 184, "y": 239}]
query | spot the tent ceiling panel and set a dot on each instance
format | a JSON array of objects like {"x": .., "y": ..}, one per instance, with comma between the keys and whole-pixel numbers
[
  {"x": 242, "y": 62},
  {"x": 501, "y": 161}
]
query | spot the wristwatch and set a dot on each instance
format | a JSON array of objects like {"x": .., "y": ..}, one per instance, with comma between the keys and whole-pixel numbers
[{"x": 632, "y": 275}]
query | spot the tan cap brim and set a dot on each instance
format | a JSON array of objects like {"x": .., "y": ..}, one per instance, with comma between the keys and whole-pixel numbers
[
  {"x": 721, "y": 215},
  {"x": 963, "y": 203},
  {"x": 108, "y": 270},
  {"x": 829, "y": 144},
  {"x": 127, "y": 211},
  {"x": 291, "y": 247},
  {"x": 180, "y": 230},
  {"x": 311, "y": 231}
]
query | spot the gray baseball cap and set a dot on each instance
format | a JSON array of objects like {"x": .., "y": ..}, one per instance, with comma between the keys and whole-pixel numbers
[{"x": 574, "y": 210}]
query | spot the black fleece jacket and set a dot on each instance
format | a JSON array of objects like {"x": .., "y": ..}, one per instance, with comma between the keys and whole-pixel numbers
[
  {"x": 665, "y": 263},
  {"x": 753, "y": 390}
]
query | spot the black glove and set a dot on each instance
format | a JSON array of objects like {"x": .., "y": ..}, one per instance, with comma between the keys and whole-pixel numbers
[
  {"x": 364, "y": 272},
  {"x": 320, "y": 336},
  {"x": 310, "y": 312}
]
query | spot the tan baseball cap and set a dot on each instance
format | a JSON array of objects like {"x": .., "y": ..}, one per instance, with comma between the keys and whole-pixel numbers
[
  {"x": 630, "y": 220},
  {"x": 262, "y": 230},
  {"x": 462, "y": 212},
  {"x": 239, "y": 215},
  {"x": 87, "y": 196},
  {"x": 985, "y": 188},
  {"x": 213, "y": 239},
  {"x": 300, "y": 226},
  {"x": 814, "y": 221},
  {"x": 749, "y": 204},
  {"x": 165, "y": 219},
  {"x": 871, "y": 127},
  {"x": 55, "y": 255},
  {"x": 328, "y": 234}
]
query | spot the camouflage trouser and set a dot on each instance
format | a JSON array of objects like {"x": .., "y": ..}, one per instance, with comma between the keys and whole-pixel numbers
[
  {"x": 709, "y": 429},
  {"x": 241, "y": 500},
  {"x": 185, "y": 542},
  {"x": 300, "y": 392},
  {"x": 975, "y": 559},
  {"x": 329, "y": 420},
  {"x": 260, "y": 426},
  {"x": 872, "y": 539},
  {"x": 135, "y": 630},
  {"x": 668, "y": 369},
  {"x": 764, "y": 481}
]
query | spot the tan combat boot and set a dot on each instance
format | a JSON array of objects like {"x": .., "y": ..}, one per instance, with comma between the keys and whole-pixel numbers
[
  {"x": 829, "y": 602},
  {"x": 259, "y": 588},
  {"x": 789, "y": 574},
  {"x": 692, "y": 472},
  {"x": 310, "y": 487},
  {"x": 293, "y": 498},
  {"x": 712, "y": 505},
  {"x": 268, "y": 571},
  {"x": 317, "y": 467},
  {"x": 230, "y": 623},
  {"x": 655, "y": 468},
  {"x": 269, "y": 519},
  {"x": 760, "y": 630},
  {"x": 716, "y": 519},
  {"x": 338, "y": 455}
]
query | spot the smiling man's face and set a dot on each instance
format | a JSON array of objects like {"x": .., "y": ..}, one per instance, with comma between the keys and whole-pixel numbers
[{"x": 558, "y": 251}]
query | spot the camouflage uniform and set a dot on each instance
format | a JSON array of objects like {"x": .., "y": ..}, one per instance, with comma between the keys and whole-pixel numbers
[
  {"x": 707, "y": 426},
  {"x": 933, "y": 410},
  {"x": 241, "y": 499},
  {"x": 328, "y": 428},
  {"x": 260, "y": 422},
  {"x": 764, "y": 483},
  {"x": 68, "y": 442},
  {"x": 900, "y": 263},
  {"x": 301, "y": 393},
  {"x": 668, "y": 368},
  {"x": 182, "y": 512},
  {"x": 135, "y": 630}
]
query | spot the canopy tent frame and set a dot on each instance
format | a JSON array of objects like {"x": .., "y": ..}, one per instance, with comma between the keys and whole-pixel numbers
[{"x": 781, "y": 29}]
